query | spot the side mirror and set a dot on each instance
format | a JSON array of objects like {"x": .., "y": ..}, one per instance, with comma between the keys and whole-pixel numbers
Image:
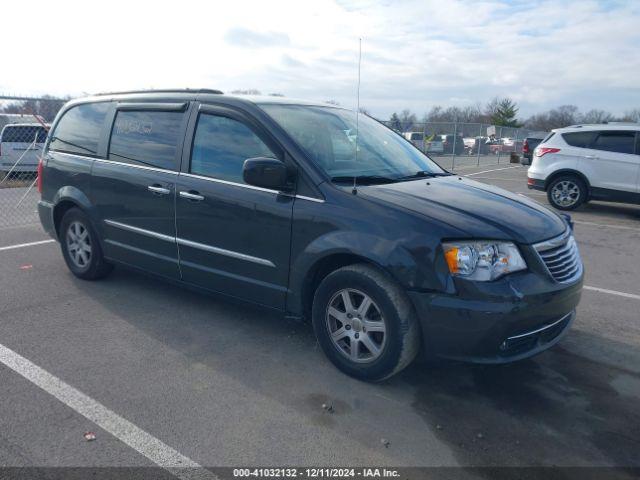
[{"x": 265, "y": 172}]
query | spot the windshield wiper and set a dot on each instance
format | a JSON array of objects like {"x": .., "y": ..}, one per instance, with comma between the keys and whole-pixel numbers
[
  {"x": 423, "y": 174},
  {"x": 364, "y": 179}
]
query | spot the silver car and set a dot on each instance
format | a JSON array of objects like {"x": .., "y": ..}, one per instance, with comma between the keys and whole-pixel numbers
[{"x": 425, "y": 143}]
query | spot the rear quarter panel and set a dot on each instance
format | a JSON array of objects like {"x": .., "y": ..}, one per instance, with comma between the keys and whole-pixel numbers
[
  {"x": 543, "y": 167},
  {"x": 67, "y": 177}
]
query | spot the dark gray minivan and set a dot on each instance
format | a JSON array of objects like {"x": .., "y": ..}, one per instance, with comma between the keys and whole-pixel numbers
[{"x": 309, "y": 210}]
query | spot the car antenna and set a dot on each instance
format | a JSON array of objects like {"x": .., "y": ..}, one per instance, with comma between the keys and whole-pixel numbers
[{"x": 355, "y": 187}]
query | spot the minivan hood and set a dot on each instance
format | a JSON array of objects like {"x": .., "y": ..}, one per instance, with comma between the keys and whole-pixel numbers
[{"x": 482, "y": 211}]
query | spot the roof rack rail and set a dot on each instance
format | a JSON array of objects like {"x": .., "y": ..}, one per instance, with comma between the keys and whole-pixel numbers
[{"x": 163, "y": 90}]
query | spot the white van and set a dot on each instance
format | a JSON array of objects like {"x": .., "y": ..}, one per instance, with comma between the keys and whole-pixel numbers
[
  {"x": 588, "y": 162},
  {"x": 20, "y": 147}
]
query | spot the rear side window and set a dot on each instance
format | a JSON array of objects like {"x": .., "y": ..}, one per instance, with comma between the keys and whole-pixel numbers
[
  {"x": 548, "y": 137},
  {"x": 615, "y": 141},
  {"x": 148, "y": 138},
  {"x": 78, "y": 131},
  {"x": 221, "y": 145},
  {"x": 416, "y": 136},
  {"x": 24, "y": 134},
  {"x": 579, "y": 139}
]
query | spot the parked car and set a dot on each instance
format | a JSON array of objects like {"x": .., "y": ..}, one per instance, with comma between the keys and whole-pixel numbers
[
  {"x": 386, "y": 253},
  {"x": 20, "y": 147},
  {"x": 428, "y": 144},
  {"x": 502, "y": 147},
  {"x": 528, "y": 146},
  {"x": 481, "y": 145},
  {"x": 417, "y": 138},
  {"x": 435, "y": 145},
  {"x": 469, "y": 143},
  {"x": 448, "y": 144},
  {"x": 588, "y": 162}
]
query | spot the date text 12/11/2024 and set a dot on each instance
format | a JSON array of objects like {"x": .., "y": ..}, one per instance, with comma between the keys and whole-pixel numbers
[{"x": 315, "y": 472}]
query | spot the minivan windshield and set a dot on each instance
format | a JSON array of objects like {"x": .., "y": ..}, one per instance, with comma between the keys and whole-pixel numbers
[{"x": 328, "y": 136}]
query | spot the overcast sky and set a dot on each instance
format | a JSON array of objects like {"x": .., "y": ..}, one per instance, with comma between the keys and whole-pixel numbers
[{"x": 416, "y": 54}]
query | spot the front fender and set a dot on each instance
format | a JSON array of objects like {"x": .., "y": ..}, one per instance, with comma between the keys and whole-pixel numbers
[{"x": 409, "y": 260}]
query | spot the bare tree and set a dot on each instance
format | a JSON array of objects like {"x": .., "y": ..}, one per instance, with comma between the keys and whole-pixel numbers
[
  {"x": 558, "y": 117},
  {"x": 468, "y": 114},
  {"x": 249, "y": 91},
  {"x": 632, "y": 115},
  {"x": 597, "y": 116},
  {"x": 47, "y": 107},
  {"x": 564, "y": 115},
  {"x": 407, "y": 120}
]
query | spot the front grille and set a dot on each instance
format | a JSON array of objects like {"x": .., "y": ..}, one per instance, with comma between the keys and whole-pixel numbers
[{"x": 561, "y": 257}]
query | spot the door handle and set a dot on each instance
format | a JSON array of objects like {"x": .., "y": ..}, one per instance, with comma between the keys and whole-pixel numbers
[
  {"x": 158, "y": 190},
  {"x": 192, "y": 195},
  {"x": 590, "y": 157}
]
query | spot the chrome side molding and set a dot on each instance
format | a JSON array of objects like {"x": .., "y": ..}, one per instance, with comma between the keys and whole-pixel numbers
[
  {"x": 141, "y": 231},
  {"x": 227, "y": 253},
  {"x": 189, "y": 243}
]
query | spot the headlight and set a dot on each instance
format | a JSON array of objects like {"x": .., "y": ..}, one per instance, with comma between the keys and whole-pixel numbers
[{"x": 482, "y": 260}]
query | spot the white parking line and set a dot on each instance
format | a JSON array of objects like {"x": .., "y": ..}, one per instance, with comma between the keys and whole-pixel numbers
[
  {"x": 21, "y": 245},
  {"x": 539, "y": 194},
  {"x": 613, "y": 292},
  {"x": 26, "y": 225},
  {"x": 467, "y": 167},
  {"x": 141, "y": 441},
  {"x": 605, "y": 225},
  {"x": 520, "y": 180},
  {"x": 493, "y": 170}
]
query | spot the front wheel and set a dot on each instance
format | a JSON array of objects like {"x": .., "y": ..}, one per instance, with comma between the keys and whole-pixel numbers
[
  {"x": 364, "y": 323},
  {"x": 567, "y": 192},
  {"x": 80, "y": 246}
]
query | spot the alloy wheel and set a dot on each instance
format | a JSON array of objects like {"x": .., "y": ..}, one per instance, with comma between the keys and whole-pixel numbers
[
  {"x": 565, "y": 193},
  {"x": 356, "y": 325},
  {"x": 79, "y": 244}
]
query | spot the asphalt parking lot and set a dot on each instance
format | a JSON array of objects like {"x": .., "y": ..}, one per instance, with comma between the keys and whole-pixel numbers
[{"x": 168, "y": 375}]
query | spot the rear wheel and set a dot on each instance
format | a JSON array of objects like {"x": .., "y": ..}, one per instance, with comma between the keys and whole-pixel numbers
[
  {"x": 567, "y": 192},
  {"x": 364, "y": 323},
  {"x": 80, "y": 246}
]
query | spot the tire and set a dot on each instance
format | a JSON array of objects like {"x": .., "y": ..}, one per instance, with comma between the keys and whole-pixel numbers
[
  {"x": 86, "y": 260},
  {"x": 567, "y": 192},
  {"x": 378, "y": 354}
]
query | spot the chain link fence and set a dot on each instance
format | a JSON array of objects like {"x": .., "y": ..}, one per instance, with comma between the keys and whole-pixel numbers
[
  {"x": 457, "y": 146},
  {"x": 24, "y": 125}
]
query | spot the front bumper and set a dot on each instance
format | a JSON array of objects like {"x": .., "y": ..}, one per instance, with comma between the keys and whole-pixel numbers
[{"x": 510, "y": 319}]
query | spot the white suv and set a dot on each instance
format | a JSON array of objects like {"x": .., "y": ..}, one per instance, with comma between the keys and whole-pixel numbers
[{"x": 588, "y": 162}]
